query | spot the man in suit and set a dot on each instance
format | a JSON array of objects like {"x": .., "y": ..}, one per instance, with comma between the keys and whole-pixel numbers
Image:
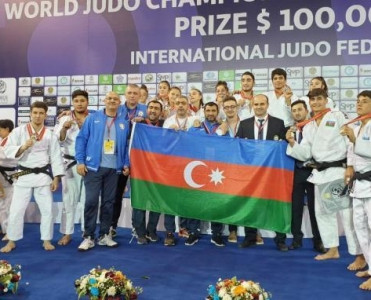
[{"x": 262, "y": 127}]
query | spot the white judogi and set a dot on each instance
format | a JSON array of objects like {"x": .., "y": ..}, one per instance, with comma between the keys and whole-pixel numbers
[
  {"x": 359, "y": 156},
  {"x": 43, "y": 152},
  {"x": 184, "y": 122},
  {"x": 8, "y": 188},
  {"x": 73, "y": 188},
  {"x": 278, "y": 108},
  {"x": 245, "y": 111},
  {"x": 330, "y": 104},
  {"x": 200, "y": 114},
  {"x": 324, "y": 143}
]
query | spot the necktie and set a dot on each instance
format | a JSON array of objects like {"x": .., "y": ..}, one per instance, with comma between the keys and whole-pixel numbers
[
  {"x": 300, "y": 136},
  {"x": 260, "y": 129}
]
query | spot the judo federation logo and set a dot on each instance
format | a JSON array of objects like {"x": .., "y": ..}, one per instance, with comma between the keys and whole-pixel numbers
[
  {"x": 2, "y": 87},
  {"x": 336, "y": 190}
]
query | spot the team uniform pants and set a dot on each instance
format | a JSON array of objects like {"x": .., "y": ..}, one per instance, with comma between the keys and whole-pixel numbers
[
  {"x": 21, "y": 198},
  {"x": 362, "y": 225},
  {"x": 5, "y": 205},
  {"x": 328, "y": 226}
]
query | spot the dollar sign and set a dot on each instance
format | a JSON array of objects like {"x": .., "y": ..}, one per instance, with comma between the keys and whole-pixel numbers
[{"x": 265, "y": 24}]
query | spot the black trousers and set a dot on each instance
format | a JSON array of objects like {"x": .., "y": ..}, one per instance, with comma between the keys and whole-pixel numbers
[{"x": 118, "y": 199}]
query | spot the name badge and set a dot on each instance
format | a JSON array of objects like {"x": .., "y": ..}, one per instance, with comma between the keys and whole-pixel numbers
[
  {"x": 330, "y": 123},
  {"x": 109, "y": 147}
]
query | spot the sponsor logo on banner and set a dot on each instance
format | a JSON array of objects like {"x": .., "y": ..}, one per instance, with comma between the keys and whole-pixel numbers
[
  {"x": 65, "y": 100},
  {"x": 50, "y": 91},
  {"x": 238, "y": 74},
  {"x": 77, "y": 80},
  {"x": 261, "y": 73},
  {"x": 152, "y": 88},
  {"x": 24, "y": 111},
  {"x": 209, "y": 87},
  {"x": 230, "y": 85},
  {"x": 105, "y": 79},
  {"x": 64, "y": 80},
  {"x": 349, "y": 82},
  {"x": 194, "y": 76},
  {"x": 51, "y": 101},
  {"x": 350, "y": 70},
  {"x": 364, "y": 70},
  {"x": 179, "y": 77},
  {"x": 24, "y": 101},
  {"x": 210, "y": 76},
  {"x": 91, "y": 79},
  {"x": 182, "y": 86},
  {"x": 37, "y": 81},
  {"x": 134, "y": 78},
  {"x": 64, "y": 91},
  {"x": 330, "y": 71},
  {"x": 37, "y": 98},
  {"x": 104, "y": 89},
  {"x": 51, "y": 80},
  {"x": 37, "y": 91},
  {"x": 120, "y": 78},
  {"x": 8, "y": 113},
  {"x": 365, "y": 82},
  {"x": 49, "y": 121},
  {"x": 348, "y": 94},
  {"x": 119, "y": 88},
  {"x": 7, "y": 91},
  {"x": 333, "y": 83},
  {"x": 295, "y": 72},
  {"x": 23, "y": 120},
  {"x": 24, "y": 81},
  {"x": 262, "y": 84},
  {"x": 296, "y": 84},
  {"x": 93, "y": 100},
  {"x": 334, "y": 94},
  {"x": 52, "y": 111},
  {"x": 101, "y": 100},
  {"x": 92, "y": 89},
  {"x": 149, "y": 78},
  {"x": 226, "y": 75},
  {"x": 208, "y": 97},
  {"x": 348, "y": 106},
  {"x": 77, "y": 87},
  {"x": 163, "y": 76},
  {"x": 194, "y": 85},
  {"x": 24, "y": 91},
  {"x": 312, "y": 71}
]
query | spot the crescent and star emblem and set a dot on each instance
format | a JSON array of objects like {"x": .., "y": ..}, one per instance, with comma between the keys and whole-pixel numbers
[{"x": 215, "y": 175}]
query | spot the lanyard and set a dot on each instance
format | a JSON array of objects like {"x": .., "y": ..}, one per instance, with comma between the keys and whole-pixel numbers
[
  {"x": 207, "y": 128},
  {"x": 132, "y": 114},
  {"x": 35, "y": 135},
  {"x": 184, "y": 125},
  {"x": 235, "y": 128},
  {"x": 109, "y": 127},
  {"x": 75, "y": 119}
]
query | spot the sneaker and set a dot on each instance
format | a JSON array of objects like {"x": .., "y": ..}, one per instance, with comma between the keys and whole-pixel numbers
[
  {"x": 170, "y": 239},
  {"x": 217, "y": 241},
  {"x": 259, "y": 239},
  {"x": 192, "y": 239},
  {"x": 183, "y": 233},
  {"x": 152, "y": 237},
  {"x": 112, "y": 232},
  {"x": 232, "y": 238},
  {"x": 142, "y": 240},
  {"x": 86, "y": 244},
  {"x": 106, "y": 240}
]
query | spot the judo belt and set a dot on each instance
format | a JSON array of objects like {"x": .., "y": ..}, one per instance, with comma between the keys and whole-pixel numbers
[
  {"x": 6, "y": 176},
  {"x": 72, "y": 163},
  {"x": 357, "y": 176},
  {"x": 25, "y": 171},
  {"x": 325, "y": 165}
]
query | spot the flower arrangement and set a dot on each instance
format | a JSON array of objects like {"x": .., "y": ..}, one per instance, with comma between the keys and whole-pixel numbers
[
  {"x": 105, "y": 284},
  {"x": 9, "y": 277},
  {"x": 234, "y": 289}
]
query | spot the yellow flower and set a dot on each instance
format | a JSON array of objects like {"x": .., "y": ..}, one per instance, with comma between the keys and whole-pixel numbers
[{"x": 239, "y": 290}]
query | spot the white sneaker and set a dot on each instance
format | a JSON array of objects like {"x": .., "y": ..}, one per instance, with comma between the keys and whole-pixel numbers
[
  {"x": 107, "y": 240},
  {"x": 86, "y": 244}
]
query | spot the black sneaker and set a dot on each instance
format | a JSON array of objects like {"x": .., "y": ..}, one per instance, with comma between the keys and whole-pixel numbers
[
  {"x": 217, "y": 241},
  {"x": 142, "y": 240},
  {"x": 152, "y": 237},
  {"x": 192, "y": 239},
  {"x": 170, "y": 239}
]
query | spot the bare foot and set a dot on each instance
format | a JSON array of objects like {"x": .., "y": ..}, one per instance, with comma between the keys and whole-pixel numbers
[
  {"x": 366, "y": 285},
  {"x": 5, "y": 238},
  {"x": 8, "y": 247},
  {"x": 65, "y": 240},
  {"x": 363, "y": 274},
  {"x": 358, "y": 264},
  {"x": 48, "y": 246},
  {"x": 332, "y": 253}
]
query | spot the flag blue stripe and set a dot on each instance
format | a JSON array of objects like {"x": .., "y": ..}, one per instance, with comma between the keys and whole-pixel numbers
[{"x": 213, "y": 148}]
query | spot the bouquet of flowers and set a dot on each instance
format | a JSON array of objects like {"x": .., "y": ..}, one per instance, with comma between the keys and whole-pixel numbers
[
  {"x": 106, "y": 284},
  {"x": 234, "y": 289},
  {"x": 9, "y": 277}
]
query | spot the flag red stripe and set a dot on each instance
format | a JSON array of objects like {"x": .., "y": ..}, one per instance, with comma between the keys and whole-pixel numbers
[{"x": 240, "y": 180}]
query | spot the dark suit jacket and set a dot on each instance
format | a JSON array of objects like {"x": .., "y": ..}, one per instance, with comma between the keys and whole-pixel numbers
[{"x": 276, "y": 128}]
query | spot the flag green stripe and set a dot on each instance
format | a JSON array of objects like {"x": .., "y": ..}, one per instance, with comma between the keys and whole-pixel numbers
[{"x": 245, "y": 211}]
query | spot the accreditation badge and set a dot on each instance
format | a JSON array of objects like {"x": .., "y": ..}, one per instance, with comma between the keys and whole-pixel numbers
[{"x": 109, "y": 147}]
